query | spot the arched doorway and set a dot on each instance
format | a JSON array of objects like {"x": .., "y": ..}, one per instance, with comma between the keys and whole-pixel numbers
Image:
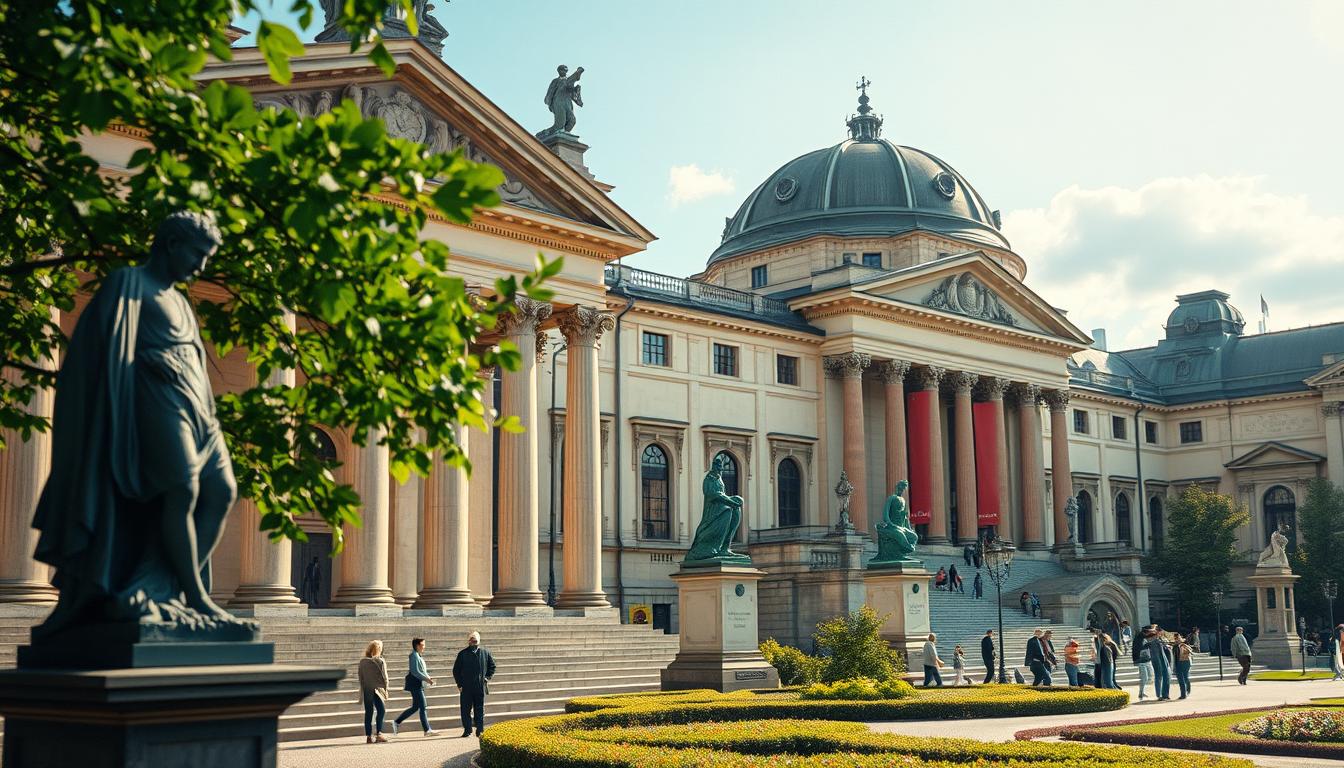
[
  {"x": 1155, "y": 521},
  {"x": 1084, "y": 521},
  {"x": 1281, "y": 509},
  {"x": 1122, "y": 519},
  {"x": 789, "y": 482}
]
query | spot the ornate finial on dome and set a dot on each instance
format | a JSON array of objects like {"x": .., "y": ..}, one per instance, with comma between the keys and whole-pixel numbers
[{"x": 864, "y": 126}]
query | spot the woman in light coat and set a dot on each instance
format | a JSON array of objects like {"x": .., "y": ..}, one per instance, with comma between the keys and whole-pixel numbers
[{"x": 373, "y": 690}]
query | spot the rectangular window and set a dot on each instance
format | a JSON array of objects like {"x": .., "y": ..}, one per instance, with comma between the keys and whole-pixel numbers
[
  {"x": 786, "y": 369},
  {"x": 725, "y": 360},
  {"x": 1150, "y": 432},
  {"x": 1118, "y": 427},
  {"x": 655, "y": 348},
  {"x": 758, "y": 278},
  {"x": 1192, "y": 432},
  {"x": 847, "y": 258},
  {"x": 1080, "y": 421},
  {"x": 872, "y": 260}
]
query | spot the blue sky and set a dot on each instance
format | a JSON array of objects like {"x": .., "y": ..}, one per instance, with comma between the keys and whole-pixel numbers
[{"x": 1137, "y": 149}]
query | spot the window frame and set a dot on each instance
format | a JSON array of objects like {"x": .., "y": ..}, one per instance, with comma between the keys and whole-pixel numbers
[
  {"x": 734, "y": 355},
  {"x": 1123, "y": 432},
  {"x": 779, "y": 358},
  {"x": 780, "y": 490},
  {"x": 1150, "y": 432},
  {"x": 1196, "y": 428},
  {"x": 1082, "y": 417},
  {"x": 863, "y": 259},
  {"x": 645, "y": 520},
  {"x": 760, "y": 276},
  {"x": 666, "y": 350}
]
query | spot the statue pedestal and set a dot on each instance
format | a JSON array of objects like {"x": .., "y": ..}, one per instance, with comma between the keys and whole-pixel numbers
[
  {"x": 129, "y": 644},
  {"x": 899, "y": 592},
  {"x": 719, "y": 647},
  {"x": 167, "y": 717},
  {"x": 1278, "y": 644}
]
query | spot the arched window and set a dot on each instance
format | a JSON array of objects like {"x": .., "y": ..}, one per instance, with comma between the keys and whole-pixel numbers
[
  {"x": 1281, "y": 509},
  {"x": 326, "y": 447},
  {"x": 1084, "y": 522},
  {"x": 789, "y": 482},
  {"x": 654, "y": 493},
  {"x": 1122, "y": 521},
  {"x": 1155, "y": 521},
  {"x": 725, "y": 461}
]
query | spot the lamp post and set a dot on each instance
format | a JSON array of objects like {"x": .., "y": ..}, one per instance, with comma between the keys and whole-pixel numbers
[
  {"x": 1330, "y": 589},
  {"x": 998, "y": 558},
  {"x": 1302, "y": 638},
  {"x": 1218, "y": 611}
]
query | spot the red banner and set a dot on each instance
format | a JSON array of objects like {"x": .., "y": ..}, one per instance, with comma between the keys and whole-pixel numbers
[
  {"x": 988, "y": 443},
  {"x": 917, "y": 434}
]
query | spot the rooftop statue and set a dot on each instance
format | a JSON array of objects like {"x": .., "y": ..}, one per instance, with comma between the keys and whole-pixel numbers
[
  {"x": 718, "y": 524},
  {"x": 561, "y": 97},
  {"x": 1071, "y": 512},
  {"x": 896, "y": 538},
  {"x": 140, "y": 480},
  {"x": 1275, "y": 554}
]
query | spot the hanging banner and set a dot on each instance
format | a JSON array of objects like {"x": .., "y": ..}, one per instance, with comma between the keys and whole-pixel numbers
[
  {"x": 988, "y": 442},
  {"x": 917, "y": 428}
]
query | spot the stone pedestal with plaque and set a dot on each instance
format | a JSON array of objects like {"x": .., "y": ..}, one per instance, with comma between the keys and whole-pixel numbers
[
  {"x": 719, "y": 647},
  {"x": 1278, "y": 645},
  {"x": 899, "y": 592}
]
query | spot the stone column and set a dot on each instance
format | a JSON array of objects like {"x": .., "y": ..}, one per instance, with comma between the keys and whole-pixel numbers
[
  {"x": 993, "y": 389},
  {"x": 1334, "y": 441},
  {"x": 967, "y": 514},
  {"x": 24, "y": 467},
  {"x": 481, "y": 498},
  {"x": 264, "y": 576},
  {"x": 848, "y": 368},
  {"x": 893, "y": 377},
  {"x": 518, "y": 529},
  {"x": 582, "y": 585},
  {"x": 1058, "y": 400},
  {"x": 365, "y": 561},
  {"x": 445, "y": 547},
  {"x": 928, "y": 379},
  {"x": 1033, "y": 474}
]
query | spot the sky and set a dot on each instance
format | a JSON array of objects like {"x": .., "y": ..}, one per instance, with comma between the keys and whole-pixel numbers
[{"x": 1138, "y": 150}]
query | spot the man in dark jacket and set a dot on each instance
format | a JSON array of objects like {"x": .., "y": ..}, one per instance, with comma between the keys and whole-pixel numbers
[
  {"x": 472, "y": 671},
  {"x": 989, "y": 654},
  {"x": 1035, "y": 660}
]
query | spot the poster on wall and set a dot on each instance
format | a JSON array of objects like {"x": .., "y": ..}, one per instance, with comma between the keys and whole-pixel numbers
[{"x": 640, "y": 613}]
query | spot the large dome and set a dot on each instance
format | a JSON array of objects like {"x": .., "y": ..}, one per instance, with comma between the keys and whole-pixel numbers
[{"x": 865, "y": 186}]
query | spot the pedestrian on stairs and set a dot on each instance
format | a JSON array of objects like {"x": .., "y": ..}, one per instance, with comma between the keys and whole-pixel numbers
[
  {"x": 966, "y": 554},
  {"x": 978, "y": 587},
  {"x": 373, "y": 690},
  {"x": 1127, "y": 636},
  {"x": 932, "y": 662},
  {"x": 988, "y": 654},
  {"x": 472, "y": 671},
  {"x": 1025, "y": 600},
  {"x": 940, "y": 578},
  {"x": 416, "y": 680},
  {"x": 1035, "y": 660},
  {"x": 954, "y": 580}
]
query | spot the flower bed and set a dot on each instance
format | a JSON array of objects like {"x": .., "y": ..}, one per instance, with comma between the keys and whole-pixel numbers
[
  {"x": 1216, "y": 732},
  {"x": 693, "y": 728},
  {"x": 1320, "y": 725}
]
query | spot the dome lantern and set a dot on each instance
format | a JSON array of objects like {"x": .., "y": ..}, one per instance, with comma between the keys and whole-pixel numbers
[{"x": 864, "y": 126}]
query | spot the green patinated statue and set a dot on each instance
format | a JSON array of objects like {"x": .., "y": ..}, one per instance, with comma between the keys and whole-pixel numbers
[
  {"x": 718, "y": 525},
  {"x": 896, "y": 539}
]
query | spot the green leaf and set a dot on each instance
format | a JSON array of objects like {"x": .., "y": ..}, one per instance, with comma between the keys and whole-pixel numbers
[
  {"x": 378, "y": 55},
  {"x": 278, "y": 44}
]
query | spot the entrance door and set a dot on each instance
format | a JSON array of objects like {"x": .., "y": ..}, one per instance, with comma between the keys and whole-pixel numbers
[
  {"x": 662, "y": 617},
  {"x": 316, "y": 550}
]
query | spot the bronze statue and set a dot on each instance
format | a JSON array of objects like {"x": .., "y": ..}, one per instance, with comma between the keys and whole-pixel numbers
[
  {"x": 561, "y": 97},
  {"x": 896, "y": 539},
  {"x": 718, "y": 524},
  {"x": 141, "y": 480}
]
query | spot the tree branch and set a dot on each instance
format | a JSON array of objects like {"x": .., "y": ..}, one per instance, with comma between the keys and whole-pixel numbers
[{"x": 27, "y": 367}]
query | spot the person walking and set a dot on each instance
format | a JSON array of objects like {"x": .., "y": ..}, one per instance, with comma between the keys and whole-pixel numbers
[
  {"x": 1159, "y": 652},
  {"x": 1143, "y": 659},
  {"x": 940, "y": 578},
  {"x": 416, "y": 679},
  {"x": 989, "y": 654},
  {"x": 311, "y": 583},
  {"x": 1241, "y": 651},
  {"x": 966, "y": 554},
  {"x": 1180, "y": 651},
  {"x": 1048, "y": 641},
  {"x": 1071, "y": 659},
  {"x": 472, "y": 670},
  {"x": 1193, "y": 640},
  {"x": 1035, "y": 660},
  {"x": 373, "y": 691},
  {"x": 1035, "y": 606},
  {"x": 1025, "y": 600},
  {"x": 954, "y": 580},
  {"x": 959, "y": 667},
  {"x": 932, "y": 662},
  {"x": 978, "y": 555},
  {"x": 977, "y": 587},
  {"x": 1113, "y": 626},
  {"x": 1112, "y": 659},
  {"x": 1126, "y": 636}
]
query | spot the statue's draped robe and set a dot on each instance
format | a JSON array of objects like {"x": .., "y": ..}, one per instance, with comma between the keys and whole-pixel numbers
[
  {"x": 133, "y": 376},
  {"x": 718, "y": 522},
  {"x": 896, "y": 540}
]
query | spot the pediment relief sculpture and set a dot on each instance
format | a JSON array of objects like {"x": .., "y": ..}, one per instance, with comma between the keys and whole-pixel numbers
[{"x": 964, "y": 294}]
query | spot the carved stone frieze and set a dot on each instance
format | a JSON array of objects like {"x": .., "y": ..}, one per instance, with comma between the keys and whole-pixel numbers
[
  {"x": 849, "y": 365},
  {"x": 966, "y": 295}
]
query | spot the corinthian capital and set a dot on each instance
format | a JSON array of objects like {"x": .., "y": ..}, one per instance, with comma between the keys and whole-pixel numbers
[
  {"x": 1331, "y": 409},
  {"x": 993, "y": 387},
  {"x": 962, "y": 382},
  {"x": 850, "y": 365},
  {"x": 929, "y": 376},
  {"x": 1026, "y": 395},
  {"x": 893, "y": 371},
  {"x": 524, "y": 319},
  {"x": 1057, "y": 399},
  {"x": 584, "y": 326}
]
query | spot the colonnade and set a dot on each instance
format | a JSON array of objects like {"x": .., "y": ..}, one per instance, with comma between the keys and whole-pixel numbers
[{"x": 915, "y": 449}]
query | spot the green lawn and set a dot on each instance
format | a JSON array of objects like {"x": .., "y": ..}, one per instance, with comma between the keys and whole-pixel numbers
[
  {"x": 1291, "y": 674},
  {"x": 1330, "y": 701},
  {"x": 1212, "y": 727}
]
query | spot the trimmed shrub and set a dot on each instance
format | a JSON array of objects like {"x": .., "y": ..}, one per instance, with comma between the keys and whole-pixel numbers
[
  {"x": 858, "y": 689},
  {"x": 1321, "y": 725},
  {"x": 794, "y": 666},
  {"x": 853, "y": 648}
]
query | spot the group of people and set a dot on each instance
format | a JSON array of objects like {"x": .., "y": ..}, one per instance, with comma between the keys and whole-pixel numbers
[
  {"x": 1031, "y": 603},
  {"x": 933, "y": 664},
  {"x": 950, "y": 579},
  {"x": 472, "y": 671}
]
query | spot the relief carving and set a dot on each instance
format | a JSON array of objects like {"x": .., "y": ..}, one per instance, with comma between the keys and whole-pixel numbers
[
  {"x": 966, "y": 295},
  {"x": 1276, "y": 423}
]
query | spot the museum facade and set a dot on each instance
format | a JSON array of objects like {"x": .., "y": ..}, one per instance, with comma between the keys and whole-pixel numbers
[{"x": 864, "y": 314}]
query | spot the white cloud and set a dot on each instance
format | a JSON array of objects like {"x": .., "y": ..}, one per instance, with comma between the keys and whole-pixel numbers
[
  {"x": 689, "y": 183},
  {"x": 1117, "y": 257}
]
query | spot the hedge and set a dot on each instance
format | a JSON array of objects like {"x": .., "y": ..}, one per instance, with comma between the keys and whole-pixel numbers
[{"x": 694, "y": 728}]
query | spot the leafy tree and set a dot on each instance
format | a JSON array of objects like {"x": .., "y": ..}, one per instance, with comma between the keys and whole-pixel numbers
[
  {"x": 322, "y": 218},
  {"x": 853, "y": 647},
  {"x": 1320, "y": 546},
  {"x": 1199, "y": 550}
]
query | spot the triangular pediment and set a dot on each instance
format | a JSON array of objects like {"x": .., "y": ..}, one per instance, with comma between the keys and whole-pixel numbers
[
  {"x": 972, "y": 285},
  {"x": 1331, "y": 376},
  {"x": 428, "y": 102},
  {"x": 1274, "y": 454}
]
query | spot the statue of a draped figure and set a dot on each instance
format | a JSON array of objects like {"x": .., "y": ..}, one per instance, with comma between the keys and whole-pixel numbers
[
  {"x": 718, "y": 524},
  {"x": 140, "y": 478},
  {"x": 896, "y": 538}
]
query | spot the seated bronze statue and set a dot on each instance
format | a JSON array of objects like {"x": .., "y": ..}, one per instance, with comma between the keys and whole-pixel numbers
[
  {"x": 718, "y": 524},
  {"x": 896, "y": 538}
]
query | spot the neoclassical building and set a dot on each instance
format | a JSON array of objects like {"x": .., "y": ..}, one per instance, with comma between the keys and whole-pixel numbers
[{"x": 863, "y": 314}]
